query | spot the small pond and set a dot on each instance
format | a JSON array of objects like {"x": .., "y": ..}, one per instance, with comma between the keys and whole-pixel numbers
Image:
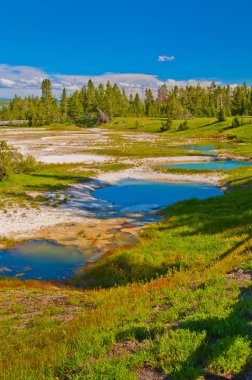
[
  {"x": 205, "y": 148},
  {"x": 42, "y": 259},
  {"x": 137, "y": 196},
  {"x": 209, "y": 165}
]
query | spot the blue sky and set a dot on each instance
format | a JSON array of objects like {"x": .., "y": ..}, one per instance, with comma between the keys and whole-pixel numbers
[{"x": 208, "y": 39}]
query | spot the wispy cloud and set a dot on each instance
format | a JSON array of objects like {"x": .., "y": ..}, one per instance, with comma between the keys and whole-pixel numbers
[
  {"x": 166, "y": 58},
  {"x": 26, "y": 80}
]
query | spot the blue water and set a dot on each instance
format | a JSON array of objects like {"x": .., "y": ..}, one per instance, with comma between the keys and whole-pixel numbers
[
  {"x": 210, "y": 165},
  {"x": 41, "y": 259},
  {"x": 132, "y": 196},
  {"x": 205, "y": 148},
  {"x": 199, "y": 148}
]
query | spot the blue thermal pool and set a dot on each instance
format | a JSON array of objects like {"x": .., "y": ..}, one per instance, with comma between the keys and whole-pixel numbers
[
  {"x": 131, "y": 196},
  {"x": 42, "y": 259},
  {"x": 209, "y": 165}
]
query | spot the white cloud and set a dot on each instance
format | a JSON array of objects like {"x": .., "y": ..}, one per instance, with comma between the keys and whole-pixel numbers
[
  {"x": 6, "y": 82},
  {"x": 166, "y": 58},
  {"x": 190, "y": 82},
  {"x": 25, "y": 80}
]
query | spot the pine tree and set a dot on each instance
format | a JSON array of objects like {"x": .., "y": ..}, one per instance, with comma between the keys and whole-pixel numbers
[
  {"x": 138, "y": 105},
  {"x": 46, "y": 88},
  {"x": 221, "y": 115},
  {"x": 90, "y": 98},
  {"x": 149, "y": 103},
  {"x": 75, "y": 109},
  {"x": 166, "y": 126},
  {"x": 48, "y": 101},
  {"x": 101, "y": 97},
  {"x": 109, "y": 108},
  {"x": 125, "y": 103},
  {"x": 63, "y": 105},
  {"x": 117, "y": 101}
]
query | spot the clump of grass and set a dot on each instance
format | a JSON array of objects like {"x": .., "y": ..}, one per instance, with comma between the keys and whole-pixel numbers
[{"x": 82, "y": 234}]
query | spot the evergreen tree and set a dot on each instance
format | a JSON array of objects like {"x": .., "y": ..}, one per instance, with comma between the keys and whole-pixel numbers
[
  {"x": 221, "y": 115},
  {"x": 236, "y": 122},
  {"x": 125, "y": 103},
  {"x": 75, "y": 109},
  {"x": 109, "y": 100},
  {"x": 46, "y": 88},
  {"x": 49, "y": 103},
  {"x": 63, "y": 105},
  {"x": 166, "y": 126},
  {"x": 90, "y": 98},
  {"x": 149, "y": 103},
  {"x": 138, "y": 108}
]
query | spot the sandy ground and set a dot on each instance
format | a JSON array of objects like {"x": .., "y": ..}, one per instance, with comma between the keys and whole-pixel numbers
[
  {"x": 144, "y": 173},
  {"x": 73, "y": 158},
  {"x": 58, "y": 146},
  {"x": 20, "y": 222}
]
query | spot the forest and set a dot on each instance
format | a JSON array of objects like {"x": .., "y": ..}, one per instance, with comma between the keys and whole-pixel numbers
[{"x": 176, "y": 103}]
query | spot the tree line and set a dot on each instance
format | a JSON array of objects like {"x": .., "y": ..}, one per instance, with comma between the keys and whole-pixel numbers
[{"x": 175, "y": 103}]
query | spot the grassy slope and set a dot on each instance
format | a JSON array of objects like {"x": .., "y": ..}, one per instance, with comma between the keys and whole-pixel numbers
[
  {"x": 175, "y": 308},
  {"x": 181, "y": 322},
  {"x": 200, "y": 129}
]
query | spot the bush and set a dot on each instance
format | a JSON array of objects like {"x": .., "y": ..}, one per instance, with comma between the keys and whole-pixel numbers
[
  {"x": 166, "y": 126},
  {"x": 236, "y": 122},
  {"x": 183, "y": 126},
  {"x": 12, "y": 162},
  {"x": 231, "y": 354},
  {"x": 221, "y": 115}
]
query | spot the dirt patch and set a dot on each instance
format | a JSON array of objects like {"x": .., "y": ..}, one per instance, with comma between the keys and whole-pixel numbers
[
  {"x": 128, "y": 346},
  {"x": 26, "y": 306},
  {"x": 239, "y": 276},
  {"x": 152, "y": 374}
]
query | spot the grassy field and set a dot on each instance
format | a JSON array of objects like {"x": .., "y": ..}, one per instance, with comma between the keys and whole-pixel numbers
[
  {"x": 200, "y": 130},
  {"x": 179, "y": 303},
  {"x": 197, "y": 127}
]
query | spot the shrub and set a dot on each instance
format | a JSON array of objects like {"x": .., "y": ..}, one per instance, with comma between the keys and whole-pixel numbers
[
  {"x": 13, "y": 162},
  {"x": 231, "y": 354},
  {"x": 236, "y": 122},
  {"x": 166, "y": 126},
  {"x": 221, "y": 115},
  {"x": 183, "y": 126}
]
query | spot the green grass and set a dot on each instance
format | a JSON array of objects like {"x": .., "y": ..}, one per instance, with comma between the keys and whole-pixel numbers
[
  {"x": 119, "y": 147},
  {"x": 200, "y": 131},
  {"x": 45, "y": 178},
  {"x": 207, "y": 126},
  {"x": 182, "y": 171},
  {"x": 142, "y": 150}
]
